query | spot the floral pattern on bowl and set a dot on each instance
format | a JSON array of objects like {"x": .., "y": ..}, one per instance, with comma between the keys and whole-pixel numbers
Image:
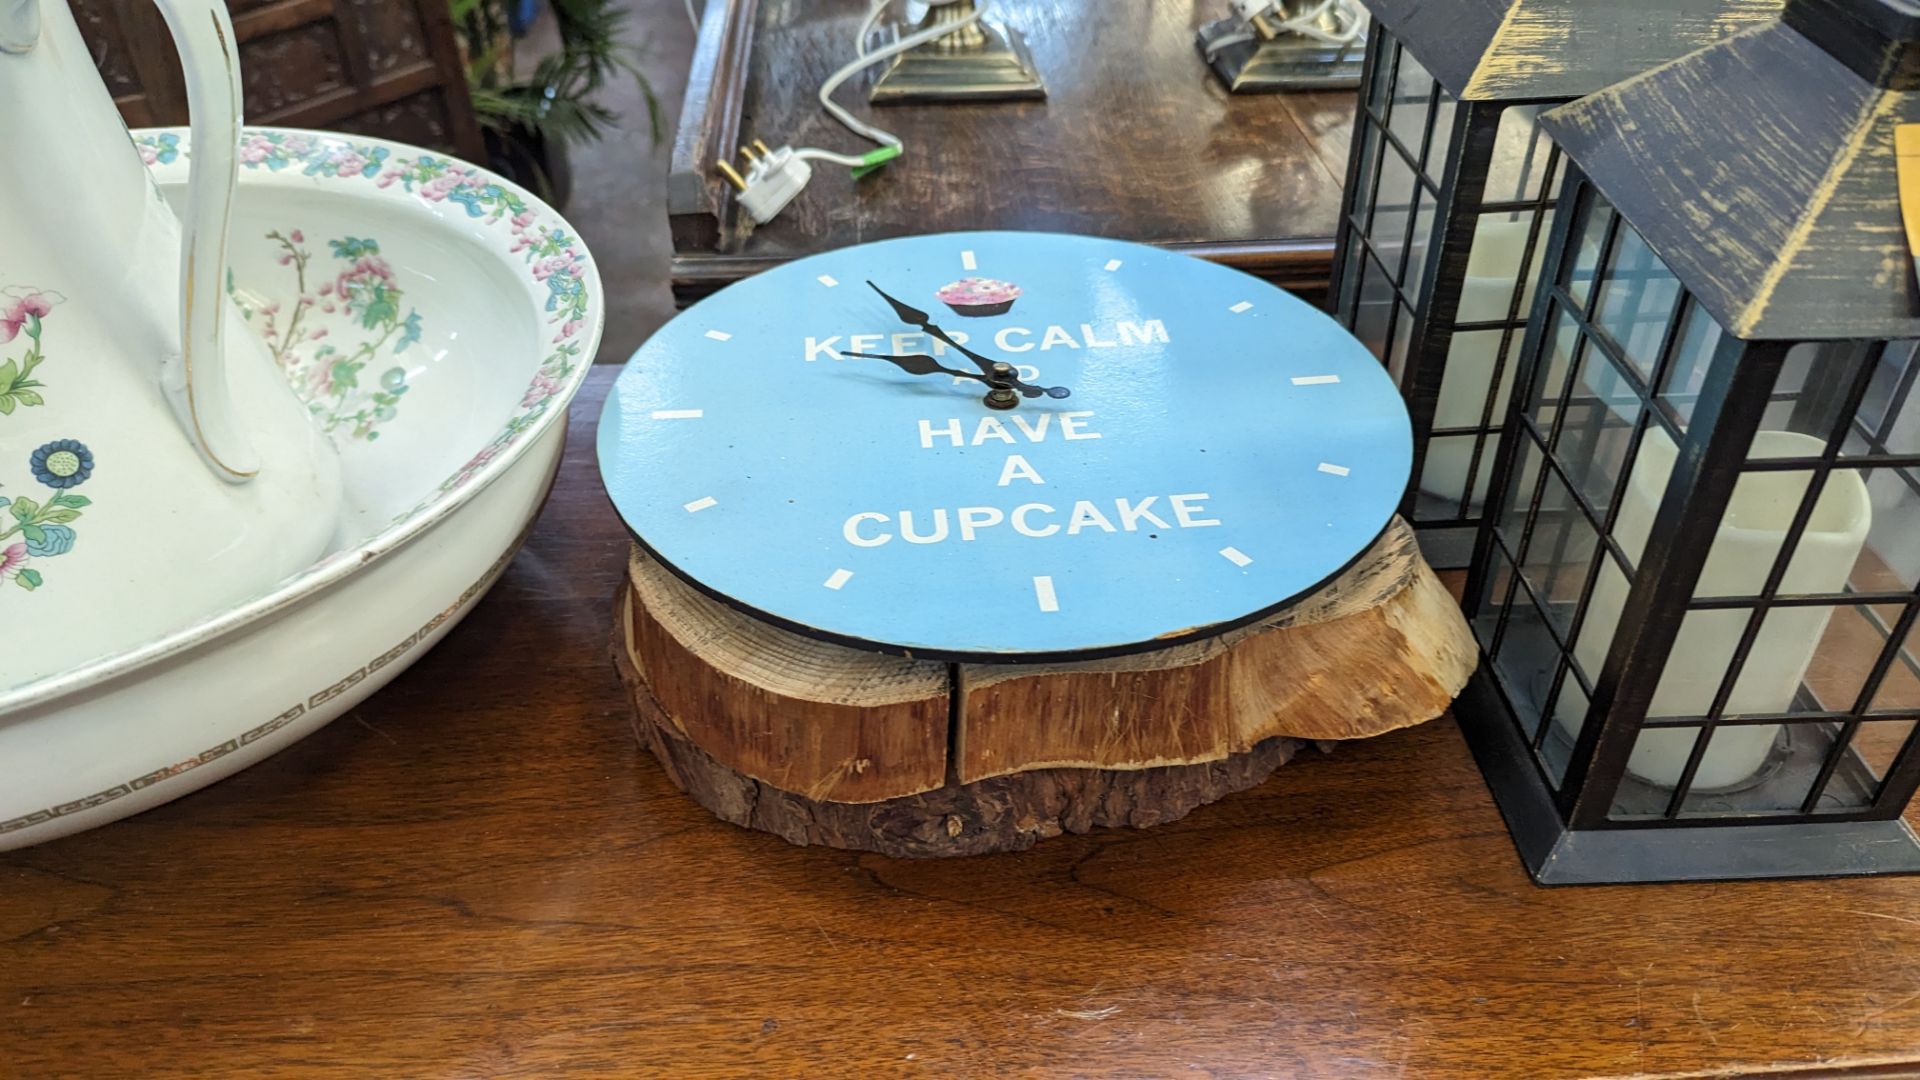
[
  {"x": 31, "y": 528},
  {"x": 24, "y": 314},
  {"x": 552, "y": 256},
  {"x": 335, "y": 329}
]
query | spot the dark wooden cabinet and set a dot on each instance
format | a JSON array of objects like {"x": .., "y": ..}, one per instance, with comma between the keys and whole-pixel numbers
[
  {"x": 388, "y": 68},
  {"x": 1136, "y": 140}
]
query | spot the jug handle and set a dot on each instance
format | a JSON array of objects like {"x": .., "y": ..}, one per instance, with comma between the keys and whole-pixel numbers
[{"x": 195, "y": 379}]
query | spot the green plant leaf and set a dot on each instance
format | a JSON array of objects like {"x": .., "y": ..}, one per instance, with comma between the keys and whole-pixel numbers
[
  {"x": 58, "y": 517},
  {"x": 28, "y": 397},
  {"x": 33, "y": 533},
  {"x": 23, "y": 509},
  {"x": 6, "y": 404},
  {"x": 70, "y": 499},
  {"x": 29, "y": 579}
]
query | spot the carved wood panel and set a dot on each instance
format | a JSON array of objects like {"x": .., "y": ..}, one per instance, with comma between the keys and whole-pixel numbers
[{"x": 389, "y": 68}]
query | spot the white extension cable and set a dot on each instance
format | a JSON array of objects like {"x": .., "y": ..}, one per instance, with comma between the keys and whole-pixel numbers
[
  {"x": 864, "y": 59},
  {"x": 776, "y": 175},
  {"x": 1348, "y": 17}
]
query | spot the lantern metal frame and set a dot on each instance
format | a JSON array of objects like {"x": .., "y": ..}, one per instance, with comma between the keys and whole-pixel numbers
[
  {"x": 1486, "y": 61},
  {"x": 1576, "y": 812}
]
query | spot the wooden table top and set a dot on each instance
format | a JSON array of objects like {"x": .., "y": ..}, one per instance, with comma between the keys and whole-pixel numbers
[
  {"x": 479, "y": 873},
  {"x": 1136, "y": 140}
]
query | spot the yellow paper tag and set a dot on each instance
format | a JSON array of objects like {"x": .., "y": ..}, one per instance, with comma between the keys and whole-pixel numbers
[{"x": 1906, "y": 149}]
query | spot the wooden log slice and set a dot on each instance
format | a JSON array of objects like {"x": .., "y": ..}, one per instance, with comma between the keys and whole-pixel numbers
[
  {"x": 823, "y": 744},
  {"x": 1004, "y": 813}
]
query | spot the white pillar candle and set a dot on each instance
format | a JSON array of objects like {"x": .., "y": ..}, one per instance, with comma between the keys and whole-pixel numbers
[
  {"x": 1744, "y": 548},
  {"x": 1493, "y": 271}
]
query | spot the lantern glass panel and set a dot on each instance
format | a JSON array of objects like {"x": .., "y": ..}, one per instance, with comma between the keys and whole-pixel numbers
[
  {"x": 1687, "y": 370},
  {"x": 1376, "y": 305},
  {"x": 1636, "y": 300},
  {"x": 1886, "y": 424},
  {"x": 1496, "y": 592},
  {"x": 1527, "y": 658},
  {"x": 1415, "y": 93},
  {"x": 1521, "y": 152},
  {"x": 1881, "y": 743},
  {"x": 1386, "y": 51},
  {"x": 1594, "y": 229},
  {"x": 1555, "y": 741},
  {"x": 1598, "y": 431},
  {"x": 1393, "y": 207},
  {"x": 1899, "y": 691}
]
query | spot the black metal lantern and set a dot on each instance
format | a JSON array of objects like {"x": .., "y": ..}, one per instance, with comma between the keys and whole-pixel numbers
[
  {"x": 1450, "y": 193},
  {"x": 1697, "y": 594}
]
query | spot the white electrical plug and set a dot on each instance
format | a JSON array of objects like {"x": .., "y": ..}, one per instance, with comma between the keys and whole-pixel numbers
[{"x": 772, "y": 179}]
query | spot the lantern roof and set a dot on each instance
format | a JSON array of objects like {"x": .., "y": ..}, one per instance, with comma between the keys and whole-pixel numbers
[
  {"x": 1762, "y": 169},
  {"x": 1554, "y": 50}
]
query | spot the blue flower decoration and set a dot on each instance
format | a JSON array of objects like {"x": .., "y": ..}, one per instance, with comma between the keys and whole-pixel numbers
[
  {"x": 50, "y": 540},
  {"x": 409, "y": 333},
  {"x": 376, "y": 159},
  {"x": 169, "y": 149},
  {"x": 468, "y": 198},
  {"x": 62, "y": 463}
]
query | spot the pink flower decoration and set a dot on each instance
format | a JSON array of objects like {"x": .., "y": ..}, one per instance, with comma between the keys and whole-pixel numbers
[
  {"x": 286, "y": 260},
  {"x": 13, "y": 559},
  {"x": 386, "y": 180},
  {"x": 522, "y": 219},
  {"x": 317, "y": 334},
  {"x": 299, "y": 237},
  {"x": 34, "y": 304},
  {"x": 328, "y": 308}
]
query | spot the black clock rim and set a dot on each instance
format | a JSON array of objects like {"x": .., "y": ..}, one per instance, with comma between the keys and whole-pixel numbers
[{"x": 953, "y": 656}]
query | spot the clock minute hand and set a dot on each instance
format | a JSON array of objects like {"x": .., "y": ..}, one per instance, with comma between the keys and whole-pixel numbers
[{"x": 913, "y": 315}]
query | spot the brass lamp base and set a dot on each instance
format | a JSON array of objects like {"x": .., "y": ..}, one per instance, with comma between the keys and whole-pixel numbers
[
  {"x": 1270, "y": 63},
  {"x": 983, "y": 61}
]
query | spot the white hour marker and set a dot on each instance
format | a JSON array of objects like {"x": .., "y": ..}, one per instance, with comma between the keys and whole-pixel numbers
[
  {"x": 678, "y": 414},
  {"x": 719, "y": 335},
  {"x": 1235, "y": 556},
  {"x": 828, "y": 280},
  {"x": 1314, "y": 380},
  {"x": 1113, "y": 264},
  {"x": 839, "y": 578},
  {"x": 1244, "y": 305},
  {"x": 1043, "y": 592},
  {"x": 967, "y": 261},
  {"x": 1336, "y": 470},
  {"x": 698, "y": 505}
]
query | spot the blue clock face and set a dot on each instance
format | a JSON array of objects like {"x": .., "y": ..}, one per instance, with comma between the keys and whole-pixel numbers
[{"x": 1188, "y": 448}]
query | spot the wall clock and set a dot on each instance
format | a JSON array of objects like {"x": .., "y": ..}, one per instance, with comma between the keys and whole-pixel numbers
[{"x": 1005, "y": 447}]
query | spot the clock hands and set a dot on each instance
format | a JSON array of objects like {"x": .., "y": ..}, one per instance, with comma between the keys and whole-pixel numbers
[
  {"x": 1003, "y": 381},
  {"x": 991, "y": 368}
]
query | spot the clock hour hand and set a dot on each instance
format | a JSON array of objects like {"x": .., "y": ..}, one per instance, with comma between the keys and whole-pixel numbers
[
  {"x": 921, "y": 364},
  {"x": 918, "y": 365}
]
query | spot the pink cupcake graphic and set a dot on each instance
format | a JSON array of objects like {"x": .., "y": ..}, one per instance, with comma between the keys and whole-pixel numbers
[{"x": 977, "y": 297}]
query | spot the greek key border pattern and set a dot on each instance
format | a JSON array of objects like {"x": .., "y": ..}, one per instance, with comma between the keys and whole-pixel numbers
[{"x": 314, "y": 701}]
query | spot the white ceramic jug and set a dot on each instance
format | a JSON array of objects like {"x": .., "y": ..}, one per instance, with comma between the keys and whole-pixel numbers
[{"x": 154, "y": 466}]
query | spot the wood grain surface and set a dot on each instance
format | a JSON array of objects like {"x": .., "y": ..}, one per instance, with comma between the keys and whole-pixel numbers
[
  {"x": 1136, "y": 140},
  {"x": 480, "y": 873}
]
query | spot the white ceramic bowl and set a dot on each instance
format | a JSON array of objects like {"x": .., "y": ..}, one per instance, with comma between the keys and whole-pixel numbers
[{"x": 438, "y": 320}]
